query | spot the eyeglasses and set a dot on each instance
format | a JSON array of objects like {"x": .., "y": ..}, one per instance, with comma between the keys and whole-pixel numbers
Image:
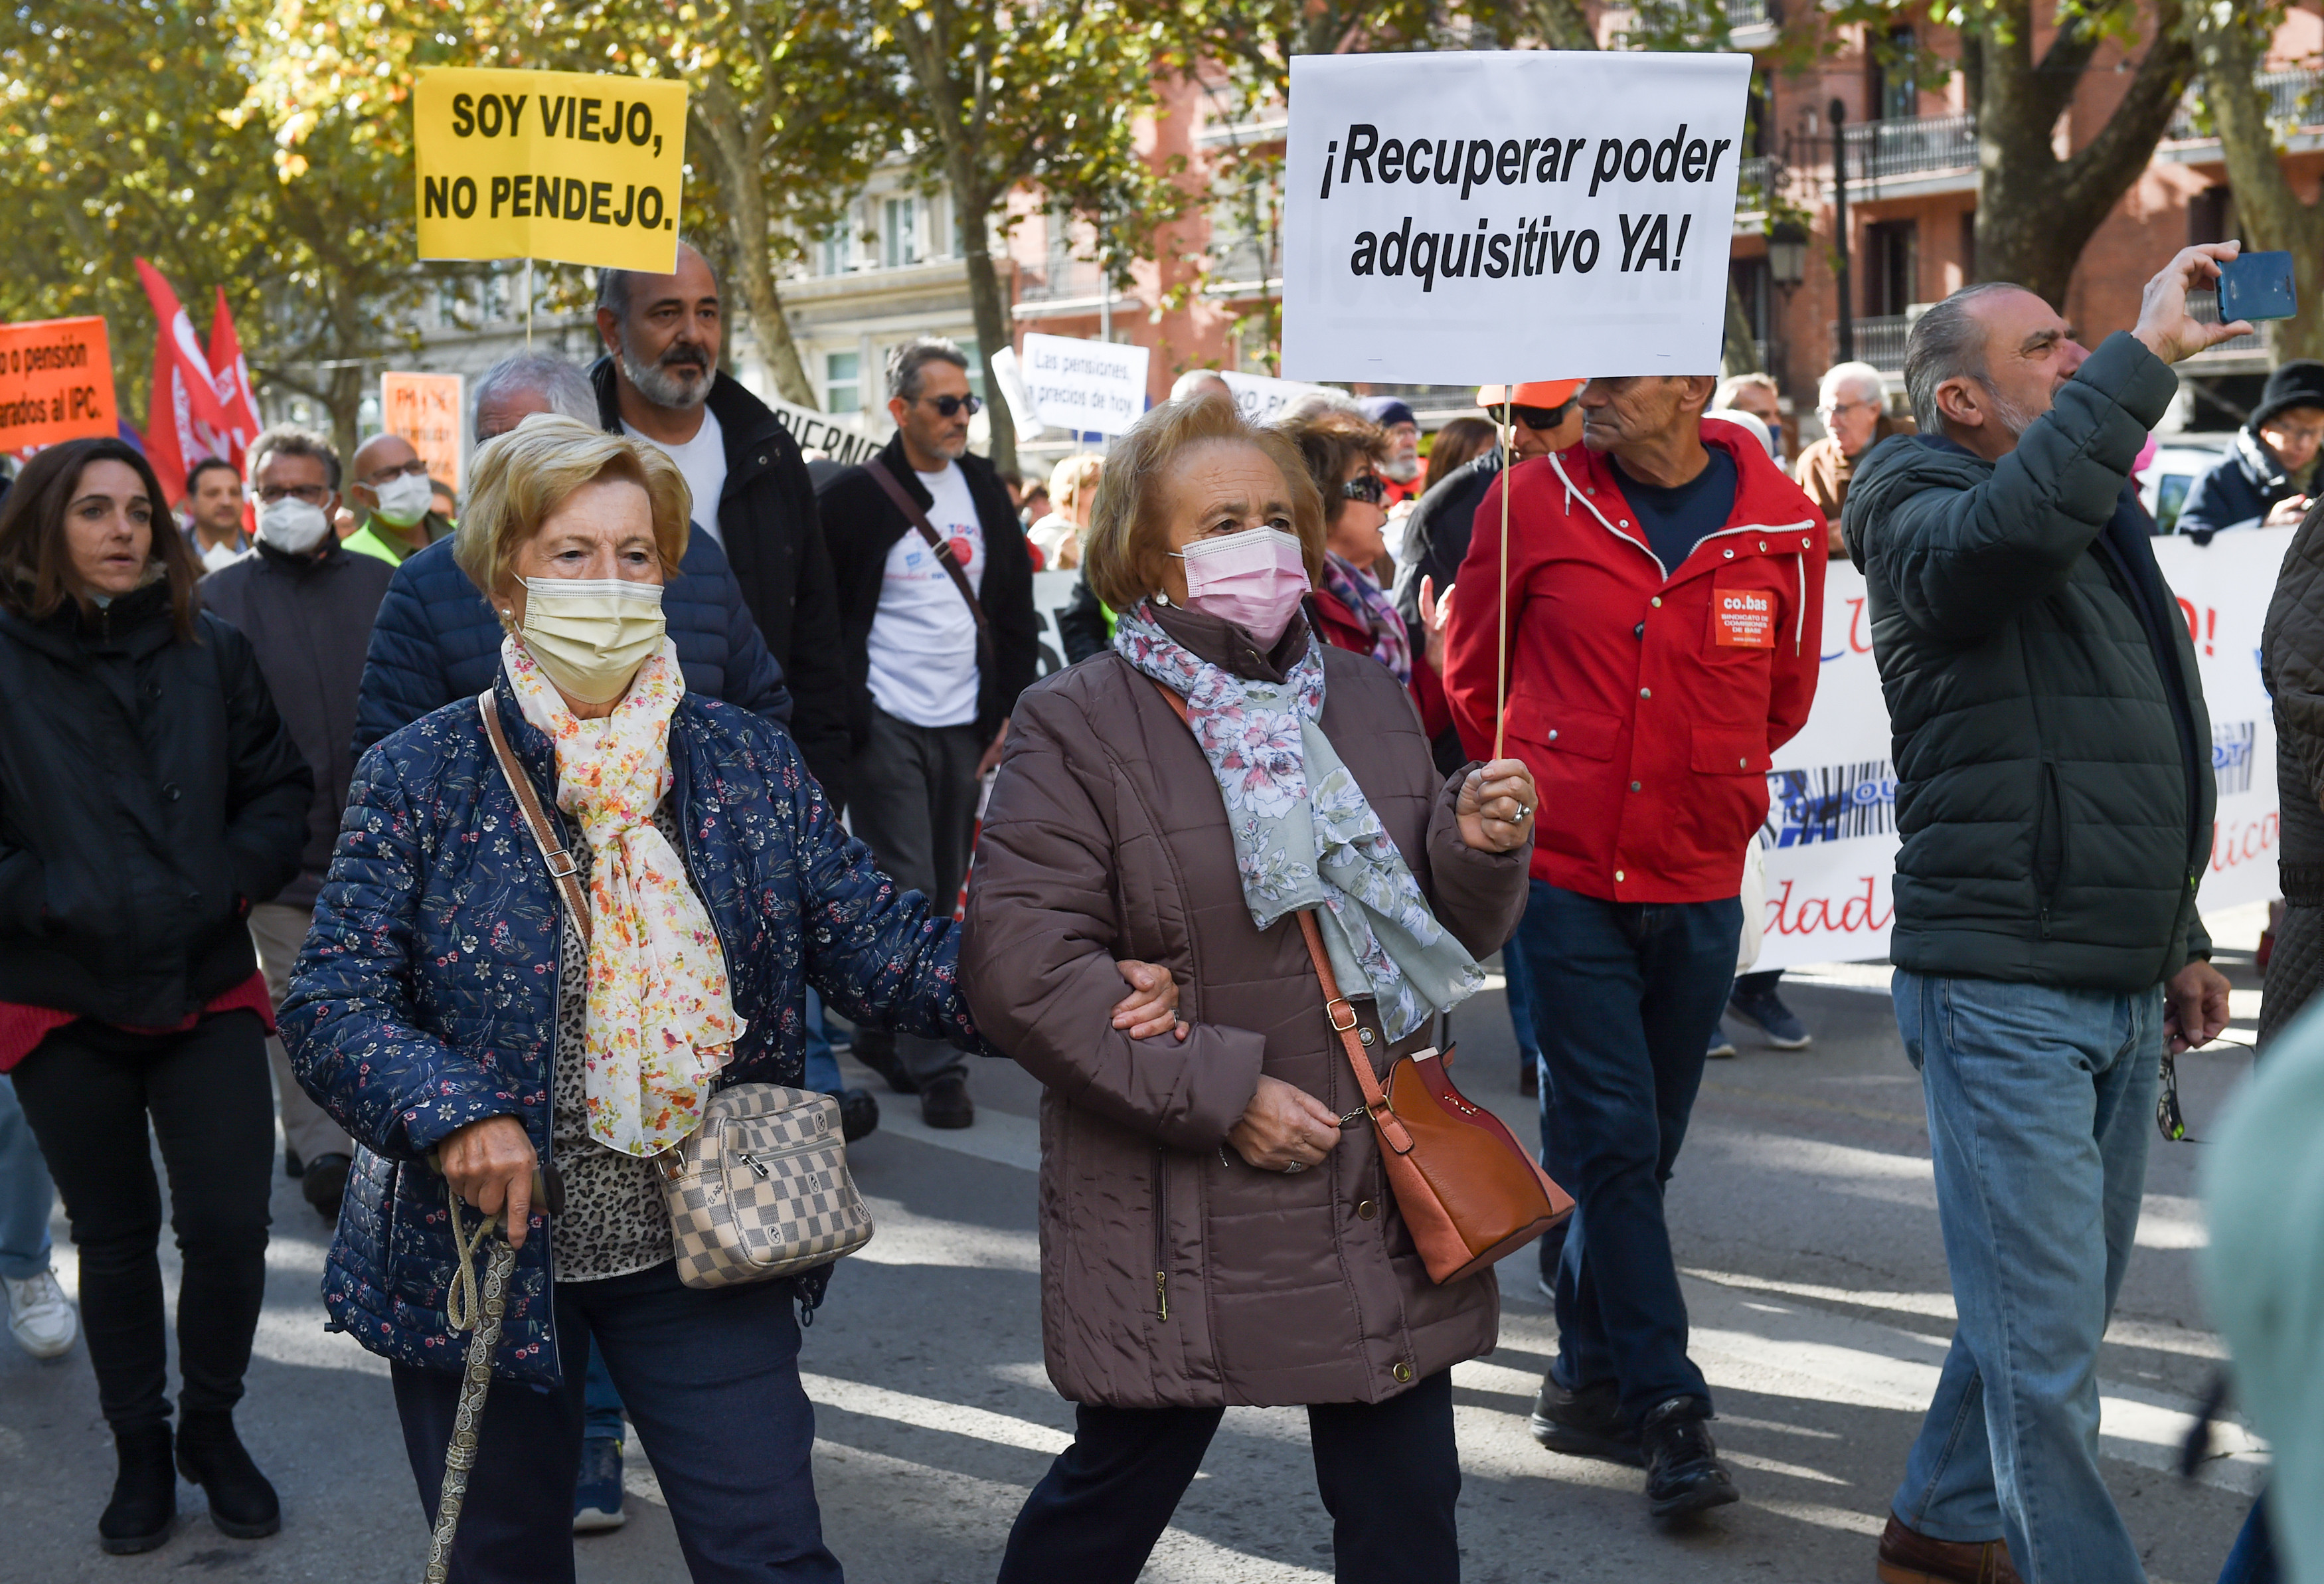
[
  {"x": 1541, "y": 418},
  {"x": 1366, "y": 487},
  {"x": 1834, "y": 409},
  {"x": 314, "y": 494},
  {"x": 416, "y": 468},
  {"x": 950, "y": 405}
]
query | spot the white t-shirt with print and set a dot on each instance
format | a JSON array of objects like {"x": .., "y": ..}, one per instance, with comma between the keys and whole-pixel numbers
[
  {"x": 703, "y": 460},
  {"x": 923, "y": 641}
]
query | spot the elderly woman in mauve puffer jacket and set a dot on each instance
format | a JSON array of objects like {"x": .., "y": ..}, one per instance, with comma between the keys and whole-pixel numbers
[
  {"x": 1211, "y": 1234},
  {"x": 463, "y": 1027}
]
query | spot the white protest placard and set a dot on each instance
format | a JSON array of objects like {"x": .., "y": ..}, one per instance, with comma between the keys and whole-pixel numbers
[
  {"x": 1472, "y": 216},
  {"x": 1832, "y": 816},
  {"x": 1093, "y": 386},
  {"x": 1012, "y": 391},
  {"x": 1261, "y": 398},
  {"x": 834, "y": 436}
]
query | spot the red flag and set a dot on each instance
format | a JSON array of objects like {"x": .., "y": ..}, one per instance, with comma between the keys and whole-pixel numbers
[
  {"x": 232, "y": 376},
  {"x": 184, "y": 421}
]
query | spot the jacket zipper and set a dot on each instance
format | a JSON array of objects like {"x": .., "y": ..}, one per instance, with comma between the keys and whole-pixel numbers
[
  {"x": 2054, "y": 798},
  {"x": 1161, "y": 1239}
]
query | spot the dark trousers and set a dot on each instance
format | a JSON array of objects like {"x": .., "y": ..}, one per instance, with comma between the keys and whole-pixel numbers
[
  {"x": 90, "y": 1091},
  {"x": 1629, "y": 994},
  {"x": 711, "y": 1382},
  {"x": 1389, "y": 1473},
  {"x": 912, "y": 800}
]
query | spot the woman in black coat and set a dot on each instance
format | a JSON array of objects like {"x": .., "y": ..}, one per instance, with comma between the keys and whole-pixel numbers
[{"x": 149, "y": 795}]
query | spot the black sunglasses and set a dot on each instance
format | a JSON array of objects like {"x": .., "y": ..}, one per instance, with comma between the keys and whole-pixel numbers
[
  {"x": 1367, "y": 488},
  {"x": 949, "y": 405},
  {"x": 1541, "y": 418}
]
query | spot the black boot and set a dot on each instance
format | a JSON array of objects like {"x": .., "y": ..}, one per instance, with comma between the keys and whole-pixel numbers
[
  {"x": 1683, "y": 1473},
  {"x": 144, "y": 1502},
  {"x": 210, "y": 1454},
  {"x": 1585, "y": 1423}
]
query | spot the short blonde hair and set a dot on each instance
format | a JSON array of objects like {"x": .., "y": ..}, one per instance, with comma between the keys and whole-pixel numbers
[
  {"x": 1069, "y": 477},
  {"x": 1125, "y": 548},
  {"x": 523, "y": 476}
]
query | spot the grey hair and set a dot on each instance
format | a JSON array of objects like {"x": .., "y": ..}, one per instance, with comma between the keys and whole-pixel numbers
[
  {"x": 613, "y": 285},
  {"x": 1946, "y": 342},
  {"x": 1857, "y": 374},
  {"x": 565, "y": 387},
  {"x": 905, "y": 363},
  {"x": 291, "y": 440},
  {"x": 1734, "y": 384}
]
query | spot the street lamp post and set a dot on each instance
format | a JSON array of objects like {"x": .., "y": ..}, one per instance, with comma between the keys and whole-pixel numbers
[
  {"x": 1787, "y": 266},
  {"x": 1846, "y": 338}
]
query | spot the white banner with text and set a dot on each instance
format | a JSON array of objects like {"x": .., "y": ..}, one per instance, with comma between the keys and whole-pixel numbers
[
  {"x": 1832, "y": 818},
  {"x": 1473, "y": 216}
]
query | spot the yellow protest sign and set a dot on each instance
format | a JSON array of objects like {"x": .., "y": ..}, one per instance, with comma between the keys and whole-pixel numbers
[
  {"x": 424, "y": 409},
  {"x": 560, "y": 165}
]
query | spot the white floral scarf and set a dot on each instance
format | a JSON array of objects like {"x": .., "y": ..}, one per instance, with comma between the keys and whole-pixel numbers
[
  {"x": 1305, "y": 835},
  {"x": 661, "y": 1019}
]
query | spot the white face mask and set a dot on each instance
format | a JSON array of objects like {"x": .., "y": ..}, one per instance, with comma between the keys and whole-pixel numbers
[
  {"x": 404, "y": 499},
  {"x": 591, "y": 635},
  {"x": 291, "y": 525}
]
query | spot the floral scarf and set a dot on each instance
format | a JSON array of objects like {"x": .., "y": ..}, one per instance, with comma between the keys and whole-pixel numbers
[
  {"x": 1305, "y": 835},
  {"x": 661, "y": 1019},
  {"x": 1354, "y": 588}
]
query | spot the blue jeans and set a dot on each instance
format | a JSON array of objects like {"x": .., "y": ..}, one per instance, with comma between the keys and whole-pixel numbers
[
  {"x": 2252, "y": 1559},
  {"x": 822, "y": 1066},
  {"x": 26, "y": 1194},
  {"x": 712, "y": 1379},
  {"x": 601, "y": 1400},
  {"x": 1520, "y": 996},
  {"x": 2039, "y": 1104},
  {"x": 1639, "y": 988}
]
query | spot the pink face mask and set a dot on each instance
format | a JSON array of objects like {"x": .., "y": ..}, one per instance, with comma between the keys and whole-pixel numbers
[{"x": 1255, "y": 580}]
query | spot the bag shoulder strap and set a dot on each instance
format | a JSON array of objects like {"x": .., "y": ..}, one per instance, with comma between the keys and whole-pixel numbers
[
  {"x": 1335, "y": 1005},
  {"x": 561, "y": 867},
  {"x": 936, "y": 542}
]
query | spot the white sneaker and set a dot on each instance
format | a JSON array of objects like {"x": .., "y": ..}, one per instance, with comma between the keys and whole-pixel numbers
[{"x": 41, "y": 1317}]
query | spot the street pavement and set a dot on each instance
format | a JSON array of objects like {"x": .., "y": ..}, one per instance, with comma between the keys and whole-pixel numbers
[{"x": 1803, "y": 1213}]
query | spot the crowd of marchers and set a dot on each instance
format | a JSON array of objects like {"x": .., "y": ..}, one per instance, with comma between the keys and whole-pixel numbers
[{"x": 1339, "y": 723}]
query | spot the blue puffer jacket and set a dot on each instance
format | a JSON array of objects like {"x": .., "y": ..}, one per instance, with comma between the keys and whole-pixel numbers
[
  {"x": 436, "y": 640},
  {"x": 425, "y": 997}
]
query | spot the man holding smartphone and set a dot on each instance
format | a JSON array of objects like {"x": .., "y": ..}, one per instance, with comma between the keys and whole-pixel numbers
[{"x": 2055, "y": 800}]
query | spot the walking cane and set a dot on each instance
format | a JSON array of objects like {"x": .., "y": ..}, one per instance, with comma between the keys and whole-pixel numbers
[{"x": 466, "y": 1308}]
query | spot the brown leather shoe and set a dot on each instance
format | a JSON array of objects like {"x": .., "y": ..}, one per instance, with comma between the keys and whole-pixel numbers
[{"x": 1907, "y": 1556}]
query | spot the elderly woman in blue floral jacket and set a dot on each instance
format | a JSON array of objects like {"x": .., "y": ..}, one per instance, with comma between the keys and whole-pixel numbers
[{"x": 459, "y": 1026}]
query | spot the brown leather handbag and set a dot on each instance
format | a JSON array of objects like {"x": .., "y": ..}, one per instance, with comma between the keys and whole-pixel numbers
[{"x": 1469, "y": 1192}]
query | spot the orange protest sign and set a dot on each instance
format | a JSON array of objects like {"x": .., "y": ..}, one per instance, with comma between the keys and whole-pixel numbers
[
  {"x": 56, "y": 383},
  {"x": 424, "y": 409}
]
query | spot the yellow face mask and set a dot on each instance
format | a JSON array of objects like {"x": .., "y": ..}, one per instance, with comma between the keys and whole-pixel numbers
[{"x": 590, "y": 635}]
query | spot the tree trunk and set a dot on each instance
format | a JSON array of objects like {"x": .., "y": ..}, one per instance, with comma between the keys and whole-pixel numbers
[
  {"x": 2037, "y": 213},
  {"x": 1739, "y": 354},
  {"x": 732, "y": 146},
  {"x": 2231, "y": 51},
  {"x": 992, "y": 308}
]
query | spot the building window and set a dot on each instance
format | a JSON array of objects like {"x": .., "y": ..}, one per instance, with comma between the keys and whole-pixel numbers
[
  {"x": 899, "y": 242},
  {"x": 836, "y": 251},
  {"x": 842, "y": 386},
  {"x": 2211, "y": 216},
  {"x": 1892, "y": 265},
  {"x": 1896, "y": 94},
  {"x": 968, "y": 346}
]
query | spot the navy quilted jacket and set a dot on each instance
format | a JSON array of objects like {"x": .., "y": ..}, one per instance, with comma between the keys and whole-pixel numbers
[
  {"x": 436, "y": 640},
  {"x": 425, "y": 997}
]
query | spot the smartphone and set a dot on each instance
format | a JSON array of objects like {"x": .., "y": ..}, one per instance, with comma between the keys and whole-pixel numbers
[{"x": 2256, "y": 286}]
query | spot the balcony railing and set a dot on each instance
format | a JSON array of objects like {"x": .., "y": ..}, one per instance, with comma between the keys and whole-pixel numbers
[
  {"x": 2294, "y": 98},
  {"x": 1755, "y": 183},
  {"x": 1879, "y": 342},
  {"x": 2203, "y": 306},
  {"x": 1912, "y": 145},
  {"x": 1060, "y": 279},
  {"x": 1751, "y": 13}
]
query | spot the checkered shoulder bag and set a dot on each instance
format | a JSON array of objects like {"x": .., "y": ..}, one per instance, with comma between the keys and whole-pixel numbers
[{"x": 760, "y": 1189}]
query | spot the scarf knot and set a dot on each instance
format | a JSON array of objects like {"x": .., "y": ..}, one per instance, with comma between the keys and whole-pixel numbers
[
  {"x": 660, "y": 1022},
  {"x": 1305, "y": 834}
]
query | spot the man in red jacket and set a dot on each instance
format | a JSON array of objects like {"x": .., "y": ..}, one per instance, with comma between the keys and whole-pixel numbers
[{"x": 1665, "y": 584}]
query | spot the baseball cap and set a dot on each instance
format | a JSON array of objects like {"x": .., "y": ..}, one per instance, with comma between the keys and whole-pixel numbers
[{"x": 1539, "y": 393}]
